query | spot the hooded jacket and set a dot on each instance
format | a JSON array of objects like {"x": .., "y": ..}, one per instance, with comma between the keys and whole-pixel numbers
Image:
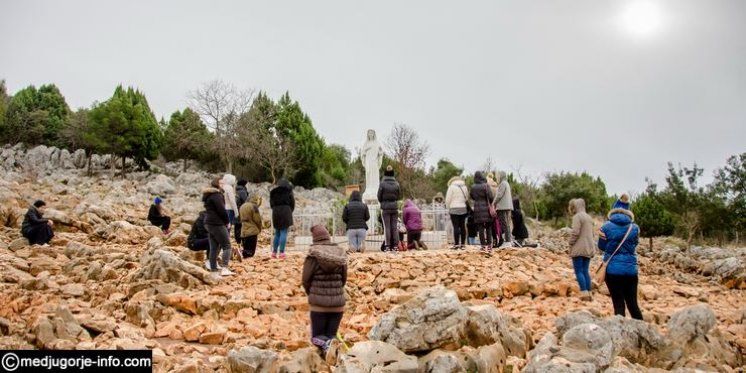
[
  {"x": 457, "y": 196},
  {"x": 242, "y": 195},
  {"x": 411, "y": 216},
  {"x": 520, "y": 232},
  {"x": 503, "y": 196},
  {"x": 482, "y": 196},
  {"x": 581, "y": 237},
  {"x": 282, "y": 202},
  {"x": 356, "y": 213},
  {"x": 624, "y": 263},
  {"x": 492, "y": 183},
  {"x": 214, "y": 202},
  {"x": 32, "y": 219},
  {"x": 251, "y": 219},
  {"x": 229, "y": 187},
  {"x": 198, "y": 230},
  {"x": 325, "y": 276},
  {"x": 389, "y": 193}
]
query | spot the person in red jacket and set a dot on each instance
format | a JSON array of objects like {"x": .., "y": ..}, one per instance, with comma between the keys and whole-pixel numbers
[{"x": 412, "y": 218}]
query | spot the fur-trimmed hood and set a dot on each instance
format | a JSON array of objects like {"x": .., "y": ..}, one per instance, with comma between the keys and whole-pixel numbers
[
  {"x": 206, "y": 192},
  {"x": 621, "y": 216},
  {"x": 329, "y": 256}
]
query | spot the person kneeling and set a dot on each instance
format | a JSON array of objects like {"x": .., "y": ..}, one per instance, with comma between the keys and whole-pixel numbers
[
  {"x": 198, "y": 239},
  {"x": 413, "y": 222},
  {"x": 251, "y": 225},
  {"x": 157, "y": 217},
  {"x": 324, "y": 279},
  {"x": 35, "y": 228}
]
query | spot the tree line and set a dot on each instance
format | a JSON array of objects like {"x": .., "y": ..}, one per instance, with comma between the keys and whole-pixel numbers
[{"x": 248, "y": 133}]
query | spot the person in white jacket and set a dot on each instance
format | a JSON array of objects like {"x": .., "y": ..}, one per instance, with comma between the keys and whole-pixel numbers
[
  {"x": 229, "y": 187},
  {"x": 457, "y": 203}
]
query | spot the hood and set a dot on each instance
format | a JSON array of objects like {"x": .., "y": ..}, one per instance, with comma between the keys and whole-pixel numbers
[
  {"x": 438, "y": 197},
  {"x": 577, "y": 205},
  {"x": 356, "y": 196},
  {"x": 621, "y": 217},
  {"x": 388, "y": 178},
  {"x": 284, "y": 183},
  {"x": 501, "y": 176},
  {"x": 329, "y": 256},
  {"x": 207, "y": 192},
  {"x": 408, "y": 203},
  {"x": 516, "y": 204},
  {"x": 229, "y": 179},
  {"x": 256, "y": 199},
  {"x": 456, "y": 180},
  {"x": 479, "y": 178}
]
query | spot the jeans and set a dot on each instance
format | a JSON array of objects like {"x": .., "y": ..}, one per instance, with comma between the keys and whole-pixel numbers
[
  {"x": 485, "y": 233},
  {"x": 503, "y": 216},
  {"x": 280, "y": 240},
  {"x": 459, "y": 229},
  {"x": 249, "y": 246},
  {"x": 219, "y": 238},
  {"x": 39, "y": 234},
  {"x": 581, "y": 264},
  {"x": 324, "y": 326},
  {"x": 356, "y": 238},
  {"x": 163, "y": 222},
  {"x": 390, "y": 229},
  {"x": 623, "y": 290}
]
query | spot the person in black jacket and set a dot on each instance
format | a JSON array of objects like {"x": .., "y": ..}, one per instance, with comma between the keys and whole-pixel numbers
[
  {"x": 216, "y": 224},
  {"x": 520, "y": 232},
  {"x": 157, "y": 217},
  {"x": 389, "y": 193},
  {"x": 356, "y": 216},
  {"x": 35, "y": 228},
  {"x": 198, "y": 239},
  {"x": 242, "y": 195},
  {"x": 282, "y": 202},
  {"x": 482, "y": 196}
]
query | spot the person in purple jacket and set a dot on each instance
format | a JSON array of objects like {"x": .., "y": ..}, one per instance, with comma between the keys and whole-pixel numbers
[{"x": 412, "y": 218}]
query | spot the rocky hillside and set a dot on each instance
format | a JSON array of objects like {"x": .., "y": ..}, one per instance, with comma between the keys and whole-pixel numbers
[{"x": 108, "y": 280}]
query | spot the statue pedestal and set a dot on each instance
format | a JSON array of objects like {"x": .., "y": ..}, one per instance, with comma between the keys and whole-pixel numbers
[{"x": 374, "y": 209}]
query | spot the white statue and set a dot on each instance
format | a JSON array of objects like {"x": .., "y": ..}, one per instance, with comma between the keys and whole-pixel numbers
[{"x": 372, "y": 156}]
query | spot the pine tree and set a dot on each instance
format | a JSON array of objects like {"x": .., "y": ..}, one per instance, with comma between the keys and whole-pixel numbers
[
  {"x": 651, "y": 215},
  {"x": 185, "y": 137}
]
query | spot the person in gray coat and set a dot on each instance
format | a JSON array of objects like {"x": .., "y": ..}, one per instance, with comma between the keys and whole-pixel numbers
[
  {"x": 504, "y": 205},
  {"x": 582, "y": 245}
]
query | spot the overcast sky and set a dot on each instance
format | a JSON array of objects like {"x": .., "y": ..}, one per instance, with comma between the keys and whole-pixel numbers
[{"x": 615, "y": 88}]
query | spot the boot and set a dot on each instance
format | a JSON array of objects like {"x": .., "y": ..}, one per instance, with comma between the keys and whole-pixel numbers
[
  {"x": 417, "y": 245},
  {"x": 422, "y": 245},
  {"x": 585, "y": 295}
]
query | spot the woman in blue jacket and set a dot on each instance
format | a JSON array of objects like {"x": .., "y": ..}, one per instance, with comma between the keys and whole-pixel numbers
[{"x": 621, "y": 272}]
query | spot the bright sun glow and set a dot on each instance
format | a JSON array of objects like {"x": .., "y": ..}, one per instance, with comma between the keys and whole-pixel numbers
[{"x": 641, "y": 18}]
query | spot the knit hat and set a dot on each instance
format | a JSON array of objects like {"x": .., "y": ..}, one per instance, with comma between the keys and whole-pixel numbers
[
  {"x": 389, "y": 171},
  {"x": 320, "y": 234},
  {"x": 39, "y": 203},
  {"x": 157, "y": 200},
  {"x": 622, "y": 202}
]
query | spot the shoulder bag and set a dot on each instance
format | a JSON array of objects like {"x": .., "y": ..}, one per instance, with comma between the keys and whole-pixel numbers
[{"x": 600, "y": 275}]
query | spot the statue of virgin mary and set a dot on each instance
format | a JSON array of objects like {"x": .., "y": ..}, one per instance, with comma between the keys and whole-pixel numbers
[{"x": 371, "y": 156}]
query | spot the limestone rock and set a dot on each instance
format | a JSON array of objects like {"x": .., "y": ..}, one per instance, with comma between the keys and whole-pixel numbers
[
  {"x": 251, "y": 360},
  {"x": 305, "y": 360},
  {"x": 432, "y": 319},
  {"x": 690, "y": 323},
  {"x": 376, "y": 356},
  {"x": 161, "y": 185},
  {"x": 486, "y": 325},
  {"x": 167, "y": 266}
]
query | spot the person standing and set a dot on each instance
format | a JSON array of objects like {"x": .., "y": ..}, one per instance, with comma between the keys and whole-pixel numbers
[
  {"x": 242, "y": 195},
  {"x": 229, "y": 190},
  {"x": 389, "y": 193},
  {"x": 216, "y": 224},
  {"x": 618, "y": 240},
  {"x": 356, "y": 215},
  {"x": 582, "y": 245},
  {"x": 412, "y": 218},
  {"x": 504, "y": 206},
  {"x": 324, "y": 278},
  {"x": 198, "y": 239},
  {"x": 457, "y": 203},
  {"x": 482, "y": 196},
  {"x": 36, "y": 229},
  {"x": 496, "y": 229},
  {"x": 282, "y": 202},
  {"x": 520, "y": 232},
  {"x": 251, "y": 225},
  {"x": 157, "y": 216}
]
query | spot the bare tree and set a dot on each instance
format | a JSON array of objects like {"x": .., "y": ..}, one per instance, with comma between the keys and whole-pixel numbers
[
  {"x": 221, "y": 105},
  {"x": 409, "y": 151}
]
